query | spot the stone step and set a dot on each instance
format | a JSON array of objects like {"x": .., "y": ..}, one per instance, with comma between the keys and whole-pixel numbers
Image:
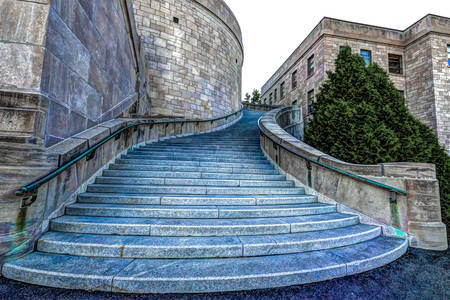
[
  {"x": 196, "y": 212},
  {"x": 203, "y": 247},
  {"x": 229, "y": 170},
  {"x": 184, "y": 151},
  {"x": 165, "y": 174},
  {"x": 206, "y": 147},
  {"x": 191, "y": 182},
  {"x": 146, "y": 199},
  {"x": 197, "y": 190},
  {"x": 125, "y": 275},
  {"x": 200, "y": 227},
  {"x": 201, "y": 158},
  {"x": 194, "y": 156},
  {"x": 174, "y": 162}
]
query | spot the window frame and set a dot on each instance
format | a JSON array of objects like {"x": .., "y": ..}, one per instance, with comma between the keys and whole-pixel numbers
[
  {"x": 392, "y": 70},
  {"x": 311, "y": 66},
  {"x": 282, "y": 89},
  {"x": 448, "y": 55},
  {"x": 363, "y": 57},
  {"x": 294, "y": 79},
  {"x": 310, "y": 100}
]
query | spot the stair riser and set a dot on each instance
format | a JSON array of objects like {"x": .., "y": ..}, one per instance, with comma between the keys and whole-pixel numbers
[
  {"x": 191, "y": 175},
  {"x": 191, "y": 182},
  {"x": 195, "y": 158},
  {"x": 192, "y": 190},
  {"x": 209, "y": 152},
  {"x": 193, "y": 163},
  {"x": 178, "y": 201},
  {"x": 206, "y": 147},
  {"x": 193, "y": 213},
  {"x": 192, "y": 169},
  {"x": 235, "y": 247},
  {"x": 196, "y": 230},
  {"x": 199, "y": 157}
]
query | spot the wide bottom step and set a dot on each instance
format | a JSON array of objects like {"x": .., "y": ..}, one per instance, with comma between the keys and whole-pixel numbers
[{"x": 202, "y": 275}]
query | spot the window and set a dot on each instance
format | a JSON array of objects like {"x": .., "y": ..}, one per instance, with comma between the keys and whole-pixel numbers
[
  {"x": 366, "y": 55},
  {"x": 310, "y": 100},
  {"x": 295, "y": 104},
  {"x": 275, "y": 95},
  {"x": 395, "y": 64},
  {"x": 402, "y": 93},
  {"x": 448, "y": 54},
  {"x": 311, "y": 65},
  {"x": 270, "y": 98},
  {"x": 282, "y": 90},
  {"x": 294, "y": 80},
  {"x": 176, "y": 20}
]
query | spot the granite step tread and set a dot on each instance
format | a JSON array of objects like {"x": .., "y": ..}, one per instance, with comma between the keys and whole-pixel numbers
[
  {"x": 175, "y": 168},
  {"x": 202, "y": 275},
  {"x": 174, "y": 189},
  {"x": 200, "y": 227},
  {"x": 223, "y": 200},
  {"x": 200, "y": 175},
  {"x": 194, "y": 212},
  {"x": 203, "y": 247},
  {"x": 253, "y": 165},
  {"x": 201, "y": 158},
  {"x": 192, "y": 182}
]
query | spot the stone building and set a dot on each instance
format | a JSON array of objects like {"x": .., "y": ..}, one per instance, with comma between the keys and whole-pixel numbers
[
  {"x": 417, "y": 60},
  {"x": 194, "y": 55}
]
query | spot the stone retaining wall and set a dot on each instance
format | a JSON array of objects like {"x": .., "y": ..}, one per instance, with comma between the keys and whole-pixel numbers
[{"x": 418, "y": 214}]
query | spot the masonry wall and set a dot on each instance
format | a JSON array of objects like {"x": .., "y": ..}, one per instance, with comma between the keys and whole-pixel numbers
[
  {"x": 194, "y": 65},
  {"x": 90, "y": 69}
]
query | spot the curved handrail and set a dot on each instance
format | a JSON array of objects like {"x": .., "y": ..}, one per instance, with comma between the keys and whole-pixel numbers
[
  {"x": 46, "y": 178},
  {"x": 391, "y": 189}
]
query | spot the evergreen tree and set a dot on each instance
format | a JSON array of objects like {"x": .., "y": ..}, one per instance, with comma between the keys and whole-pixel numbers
[
  {"x": 247, "y": 97},
  {"x": 256, "y": 97},
  {"x": 360, "y": 117}
]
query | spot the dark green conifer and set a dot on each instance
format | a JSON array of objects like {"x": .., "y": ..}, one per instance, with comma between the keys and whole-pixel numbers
[{"x": 360, "y": 117}]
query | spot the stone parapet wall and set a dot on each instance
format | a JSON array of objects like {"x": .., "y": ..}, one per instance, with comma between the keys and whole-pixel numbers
[
  {"x": 20, "y": 226},
  {"x": 194, "y": 61},
  {"x": 418, "y": 214}
]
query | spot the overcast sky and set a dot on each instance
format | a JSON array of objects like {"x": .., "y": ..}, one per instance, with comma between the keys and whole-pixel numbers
[{"x": 272, "y": 29}]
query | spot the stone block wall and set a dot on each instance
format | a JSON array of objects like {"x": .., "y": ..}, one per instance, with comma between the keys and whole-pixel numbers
[
  {"x": 90, "y": 69},
  {"x": 194, "y": 55}
]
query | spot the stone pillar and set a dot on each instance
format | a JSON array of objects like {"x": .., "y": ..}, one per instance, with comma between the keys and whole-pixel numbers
[{"x": 23, "y": 29}]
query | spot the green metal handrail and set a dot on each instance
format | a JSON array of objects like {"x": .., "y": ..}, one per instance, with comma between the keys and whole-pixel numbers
[
  {"x": 391, "y": 189},
  {"x": 32, "y": 187}
]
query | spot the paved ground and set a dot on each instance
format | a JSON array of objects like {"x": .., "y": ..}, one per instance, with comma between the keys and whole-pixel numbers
[{"x": 417, "y": 275}]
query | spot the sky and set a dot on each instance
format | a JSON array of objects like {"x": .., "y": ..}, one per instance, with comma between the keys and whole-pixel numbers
[{"x": 272, "y": 29}]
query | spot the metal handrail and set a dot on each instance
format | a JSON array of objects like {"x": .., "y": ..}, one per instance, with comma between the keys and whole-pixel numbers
[
  {"x": 32, "y": 187},
  {"x": 391, "y": 189}
]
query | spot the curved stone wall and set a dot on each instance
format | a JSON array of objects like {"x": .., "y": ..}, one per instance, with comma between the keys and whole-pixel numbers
[
  {"x": 194, "y": 55},
  {"x": 417, "y": 214}
]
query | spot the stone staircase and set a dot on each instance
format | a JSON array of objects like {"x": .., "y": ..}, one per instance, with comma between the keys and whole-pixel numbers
[{"x": 200, "y": 214}]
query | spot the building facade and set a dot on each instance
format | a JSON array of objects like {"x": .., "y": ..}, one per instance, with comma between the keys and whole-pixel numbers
[
  {"x": 417, "y": 60},
  {"x": 194, "y": 56}
]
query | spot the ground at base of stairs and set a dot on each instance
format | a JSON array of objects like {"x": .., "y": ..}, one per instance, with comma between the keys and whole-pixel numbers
[{"x": 419, "y": 274}]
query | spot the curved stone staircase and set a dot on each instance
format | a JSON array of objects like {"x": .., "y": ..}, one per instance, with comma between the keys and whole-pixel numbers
[{"x": 200, "y": 214}]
